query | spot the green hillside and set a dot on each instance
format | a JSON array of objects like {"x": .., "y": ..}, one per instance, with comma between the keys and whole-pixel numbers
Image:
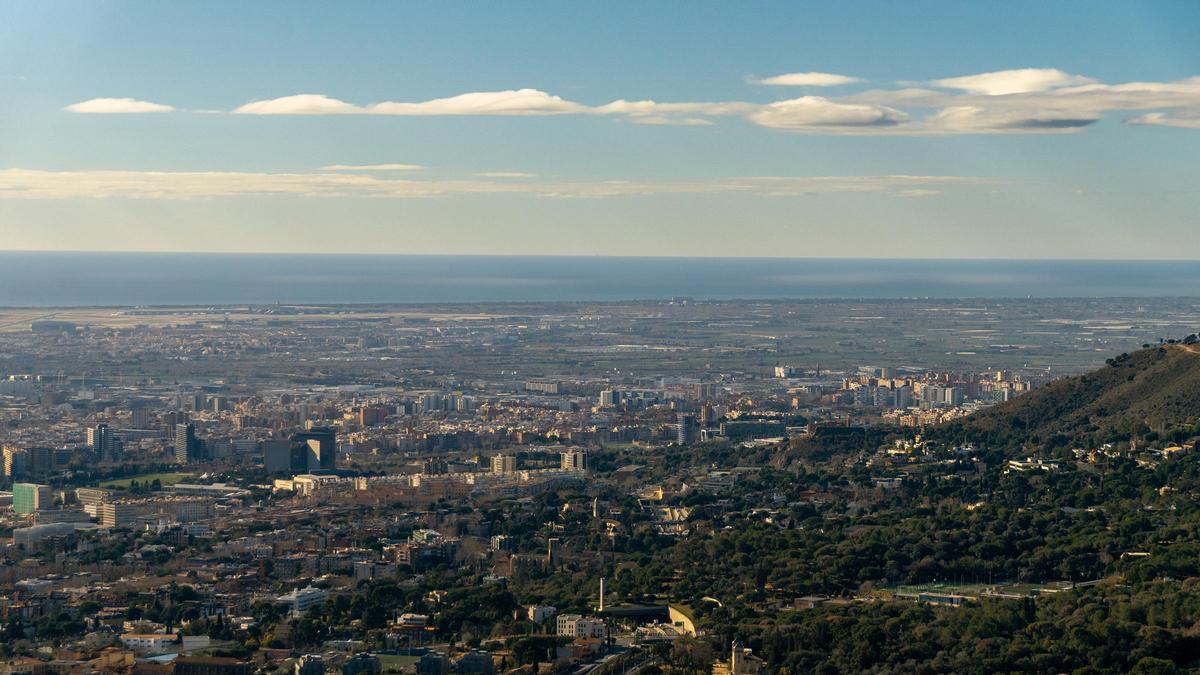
[{"x": 1153, "y": 393}]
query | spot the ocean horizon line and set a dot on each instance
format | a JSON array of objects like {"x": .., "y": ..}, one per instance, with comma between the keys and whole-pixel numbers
[
  {"x": 121, "y": 279},
  {"x": 368, "y": 254}
]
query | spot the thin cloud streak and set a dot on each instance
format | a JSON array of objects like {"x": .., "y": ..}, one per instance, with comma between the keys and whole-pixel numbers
[
  {"x": 373, "y": 167},
  {"x": 183, "y": 185},
  {"x": 809, "y": 79}
]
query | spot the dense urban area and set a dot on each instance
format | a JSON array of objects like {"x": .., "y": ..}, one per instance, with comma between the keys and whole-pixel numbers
[{"x": 678, "y": 486}]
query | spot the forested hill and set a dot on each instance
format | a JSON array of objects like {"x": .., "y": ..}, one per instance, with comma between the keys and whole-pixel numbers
[{"x": 1153, "y": 393}]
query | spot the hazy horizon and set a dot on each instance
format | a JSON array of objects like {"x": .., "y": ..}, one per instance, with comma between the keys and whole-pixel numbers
[
  {"x": 55, "y": 278},
  {"x": 656, "y": 256}
]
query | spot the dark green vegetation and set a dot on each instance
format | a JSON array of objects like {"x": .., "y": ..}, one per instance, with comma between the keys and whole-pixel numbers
[
  {"x": 1112, "y": 628},
  {"x": 809, "y": 519},
  {"x": 1129, "y": 519},
  {"x": 1151, "y": 394}
]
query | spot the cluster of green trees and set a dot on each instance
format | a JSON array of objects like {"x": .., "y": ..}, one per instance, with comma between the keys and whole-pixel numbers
[
  {"x": 1146, "y": 628},
  {"x": 1139, "y": 393}
]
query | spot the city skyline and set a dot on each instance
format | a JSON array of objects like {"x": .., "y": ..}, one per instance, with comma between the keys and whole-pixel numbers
[{"x": 934, "y": 131}]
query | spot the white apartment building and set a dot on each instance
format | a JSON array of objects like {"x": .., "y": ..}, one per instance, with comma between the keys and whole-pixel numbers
[
  {"x": 539, "y": 613},
  {"x": 148, "y": 643},
  {"x": 300, "y": 600},
  {"x": 576, "y": 626}
]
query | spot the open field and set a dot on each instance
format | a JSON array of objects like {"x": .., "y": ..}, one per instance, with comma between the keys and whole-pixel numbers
[{"x": 163, "y": 478}]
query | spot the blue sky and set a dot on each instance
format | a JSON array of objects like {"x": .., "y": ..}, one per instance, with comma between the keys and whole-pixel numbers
[{"x": 1026, "y": 130}]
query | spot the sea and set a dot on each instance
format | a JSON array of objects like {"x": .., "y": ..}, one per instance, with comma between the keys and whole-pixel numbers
[{"x": 76, "y": 279}]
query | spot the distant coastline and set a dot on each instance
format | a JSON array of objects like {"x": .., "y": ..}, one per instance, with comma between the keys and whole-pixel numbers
[{"x": 65, "y": 279}]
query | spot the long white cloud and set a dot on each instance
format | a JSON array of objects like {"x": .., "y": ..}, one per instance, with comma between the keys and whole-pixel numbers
[
  {"x": 1185, "y": 121},
  {"x": 299, "y": 104},
  {"x": 815, "y": 113},
  {"x": 1020, "y": 101},
  {"x": 373, "y": 167},
  {"x": 117, "y": 105},
  {"x": 1018, "y": 81},
  {"x": 181, "y": 185},
  {"x": 807, "y": 80},
  {"x": 510, "y": 102}
]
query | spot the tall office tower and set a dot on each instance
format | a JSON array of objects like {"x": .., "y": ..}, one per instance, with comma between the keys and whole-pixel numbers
[
  {"x": 174, "y": 417},
  {"x": 430, "y": 402},
  {"x": 43, "y": 461},
  {"x": 102, "y": 441},
  {"x": 195, "y": 401},
  {"x": 30, "y": 497},
  {"x": 610, "y": 398},
  {"x": 370, "y": 415},
  {"x": 685, "y": 429},
  {"x": 16, "y": 463},
  {"x": 573, "y": 460},
  {"x": 277, "y": 455},
  {"x": 314, "y": 450},
  {"x": 139, "y": 418},
  {"x": 504, "y": 464},
  {"x": 187, "y": 446}
]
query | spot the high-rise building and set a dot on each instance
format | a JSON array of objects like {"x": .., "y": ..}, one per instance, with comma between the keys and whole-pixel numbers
[
  {"x": 685, "y": 429},
  {"x": 314, "y": 450},
  {"x": 370, "y": 415},
  {"x": 102, "y": 441},
  {"x": 44, "y": 460},
  {"x": 16, "y": 463},
  {"x": 610, "y": 398},
  {"x": 504, "y": 464},
  {"x": 187, "y": 446},
  {"x": 194, "y": 401},
  {"x": 573, "y": 460},
  {"x": 30, "y": 497},
  {"x": 430, "y": 402},
  {"x": 139, "y": 418},
  {"x": 277, "y": 455}
]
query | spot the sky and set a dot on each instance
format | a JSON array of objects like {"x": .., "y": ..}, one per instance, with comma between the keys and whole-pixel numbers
[{"x": 789, "y": 129}]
